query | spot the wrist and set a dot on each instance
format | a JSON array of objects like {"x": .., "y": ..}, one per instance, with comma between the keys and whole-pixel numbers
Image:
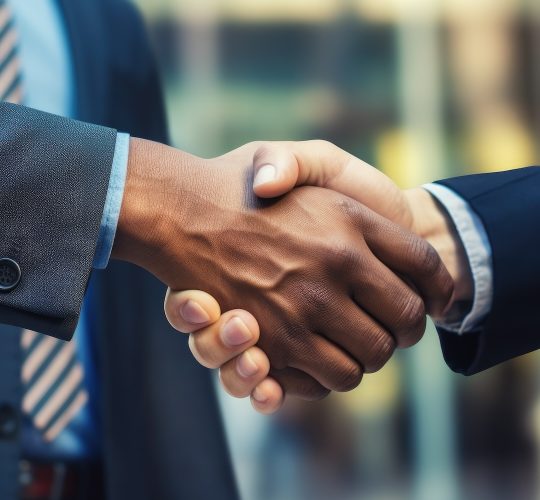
[
  {"x": 140, "y": 232},
  {"x": 432, "y": 222}
]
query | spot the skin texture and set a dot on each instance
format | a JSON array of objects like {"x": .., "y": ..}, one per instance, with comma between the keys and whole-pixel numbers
[
  {"x": 432, "y": 222},
  {"x": 322, "y": 164},
  {"x": 331, "y": 296}
]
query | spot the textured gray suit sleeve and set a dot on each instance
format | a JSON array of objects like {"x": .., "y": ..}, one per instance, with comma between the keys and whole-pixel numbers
[{"x": 55, "y": 174}]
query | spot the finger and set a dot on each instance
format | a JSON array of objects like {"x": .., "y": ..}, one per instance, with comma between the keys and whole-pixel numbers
[
  {"x": 321, "y": 163},
  {"x": 275, "y": 169},
  {"x": 390, "y": 302},
  {"x": 280, "y": 166},
  {"x": 242, "y": 374},
  {"x": 415, "y": 259},
  {"x": 235, "y": 332},
  {"x": 357, "y": 333},
  {"x": 267, "y": 397},
  {"x": 190, "y": 310},
  {"x": 299, "y": 384},
  {"x": 325, "y": 362}
]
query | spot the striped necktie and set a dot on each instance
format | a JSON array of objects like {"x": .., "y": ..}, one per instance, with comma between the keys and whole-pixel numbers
[
  {"x": 51, "y": 373},
  {"x": 10, "y": 71},
  {"x": 53, "y": 383}
]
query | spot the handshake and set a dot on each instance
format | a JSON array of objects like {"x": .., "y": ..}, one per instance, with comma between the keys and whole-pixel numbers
[{"x": 323, "y": 264}]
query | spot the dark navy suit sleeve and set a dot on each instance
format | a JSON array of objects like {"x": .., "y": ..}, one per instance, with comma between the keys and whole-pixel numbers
[
  {"x": 508, "y": 203},
  {"x": 55, "y": 174}
]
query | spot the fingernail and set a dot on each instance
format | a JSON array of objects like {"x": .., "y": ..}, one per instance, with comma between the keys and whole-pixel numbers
[
  {"x": 235, "y": 332},
  {"x": 246, "y": 366},
  {"x": 259, "y": 396},
  {"x": 266, "y": 174},
  {"x": 194, "y": 313}
]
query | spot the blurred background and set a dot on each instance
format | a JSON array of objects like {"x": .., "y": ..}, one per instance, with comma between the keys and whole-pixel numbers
[{"x": 422, "y": 89}]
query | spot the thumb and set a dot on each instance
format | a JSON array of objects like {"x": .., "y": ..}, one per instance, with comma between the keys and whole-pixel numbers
[
  {"x": 275, "y": 170},
  {"x": 279, "y": 167}
]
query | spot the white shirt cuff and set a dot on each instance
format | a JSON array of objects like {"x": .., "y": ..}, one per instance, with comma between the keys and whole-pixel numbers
[{"x": 478, "y": 249}]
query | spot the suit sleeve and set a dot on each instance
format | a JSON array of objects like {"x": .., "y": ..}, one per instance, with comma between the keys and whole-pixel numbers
[
  {"x": 508, "y": 204},
  {"x": 55, "y": 175}
]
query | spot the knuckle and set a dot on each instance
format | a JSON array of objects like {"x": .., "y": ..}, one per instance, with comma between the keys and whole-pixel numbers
[
  {"x": 382, "y": 349},
  {"x": 203, "y": 353},
  {"x": 349, "y": 377},
  {"x": 321, "y": 144},
  {"x": 231, "y": 385},
  {"x": 254, "y": 144},
  {"x": 427, "y": 257},
  {"x": 346, "y": 205},
  {"x": 316, "y": 298},
  {"x": 262, "y": 151},
  {"x": 413, "y": 322},
  {"x": 357, "y": 214},
  {"x": 413, "y": 312},
  {"x": 304, "y": 387},
  {"x": 413, "y": 336},
  {"x": 236, "y": 391},
  {"x": 281, "y": 344},
  {"x": 343, "y": 255}
]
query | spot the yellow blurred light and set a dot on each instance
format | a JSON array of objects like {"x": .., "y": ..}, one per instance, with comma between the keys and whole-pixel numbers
[
  {"x": 378, "y": 392},
  {"x": 460, "y": 8},
  {"x": 392, "y": 10},
  {"x": 286, "y": 10},
  {"x": 380, "y": 11},
  {"x": 399, "y": 155},
  {"x": 500, "y": 146},
  {"x": 266, "y": 10},
  {"x": 315, "y": 11}
]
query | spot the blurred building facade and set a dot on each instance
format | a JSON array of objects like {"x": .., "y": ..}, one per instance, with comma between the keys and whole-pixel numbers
[{"x": 422, "y": 89}]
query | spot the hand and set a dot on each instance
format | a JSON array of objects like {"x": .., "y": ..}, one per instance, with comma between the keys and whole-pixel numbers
[
  {"x": 279, "y": 167},
  {"x": 291, "y": 160},
  {"x": 242, "y": 374}
]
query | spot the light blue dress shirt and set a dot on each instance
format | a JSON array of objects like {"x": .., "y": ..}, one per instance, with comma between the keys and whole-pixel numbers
[{"x": 49, "y": 85}]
